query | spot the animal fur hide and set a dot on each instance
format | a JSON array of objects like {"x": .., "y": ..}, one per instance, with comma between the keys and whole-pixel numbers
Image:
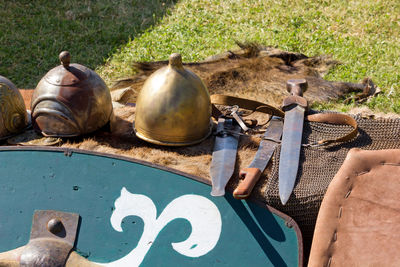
[{"x": 253, "y": 72}]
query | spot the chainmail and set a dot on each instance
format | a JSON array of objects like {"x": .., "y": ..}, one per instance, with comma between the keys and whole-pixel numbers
[{"x": 318, "y": 166}]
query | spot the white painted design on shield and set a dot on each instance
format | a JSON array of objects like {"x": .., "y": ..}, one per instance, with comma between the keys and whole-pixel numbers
[{"x": 201, "y": 212}]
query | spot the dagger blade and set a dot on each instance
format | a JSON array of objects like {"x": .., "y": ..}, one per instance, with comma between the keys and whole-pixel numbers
[
  {"x": 290, "y": 151},
  {"x": 252, "y": 173},
  {"x": 224, "y": 155},
  {"x": 273, "y": 134}
]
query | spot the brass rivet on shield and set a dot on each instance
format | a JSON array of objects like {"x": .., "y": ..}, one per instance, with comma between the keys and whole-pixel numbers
[{"x": 55, "y": 226}]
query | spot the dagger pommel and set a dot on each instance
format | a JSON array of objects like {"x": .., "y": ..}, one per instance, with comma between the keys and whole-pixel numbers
[{"x": 297, "y": 86}]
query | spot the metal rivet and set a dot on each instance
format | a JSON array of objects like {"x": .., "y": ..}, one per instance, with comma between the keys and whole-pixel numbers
[
  {"x": 288, "y": 224},
  {"x": 55, "y": 226}
]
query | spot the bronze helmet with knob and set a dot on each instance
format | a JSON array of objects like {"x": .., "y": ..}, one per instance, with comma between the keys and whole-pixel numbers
[
  {"x": 173, "y": 108},
  {"x": 70, "y": 100}
]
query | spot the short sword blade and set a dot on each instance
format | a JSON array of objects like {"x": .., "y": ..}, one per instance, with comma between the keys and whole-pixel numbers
[
  {"x": 252, "y": 173},
  {"x": 290, "y": 151},
  {"x": 267, "y": 147},
  {"x": 224, "y": 155}
]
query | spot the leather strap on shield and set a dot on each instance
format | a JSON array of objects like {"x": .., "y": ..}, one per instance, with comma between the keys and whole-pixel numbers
[
  {"x": 331, "y": 118},
  {"x": 359, "y": 220}
]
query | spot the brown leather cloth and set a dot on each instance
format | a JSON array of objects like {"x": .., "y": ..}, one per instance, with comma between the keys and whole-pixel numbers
[{"x": 359, "y": 220}]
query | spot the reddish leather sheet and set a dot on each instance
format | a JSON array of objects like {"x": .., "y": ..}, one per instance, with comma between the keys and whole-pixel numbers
[{"x": 359, "y": 220}]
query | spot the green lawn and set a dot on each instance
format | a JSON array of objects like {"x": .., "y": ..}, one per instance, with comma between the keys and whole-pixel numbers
[
  {"x": 363, "y": 35},
  {"x": 33, "y": 33}
]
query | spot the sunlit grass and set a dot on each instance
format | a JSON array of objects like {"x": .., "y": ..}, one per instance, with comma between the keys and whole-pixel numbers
[
  {"x": 110, "y": 35},
  {"x": 363, "y": 35}
]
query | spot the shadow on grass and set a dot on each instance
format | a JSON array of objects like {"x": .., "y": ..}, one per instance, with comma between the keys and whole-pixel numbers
[{"x": 33, "y": 33}]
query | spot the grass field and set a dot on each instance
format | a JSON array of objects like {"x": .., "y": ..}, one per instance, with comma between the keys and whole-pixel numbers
[
  {"x": 109, "y": 35},
  {"x": 33, "y": 33}
]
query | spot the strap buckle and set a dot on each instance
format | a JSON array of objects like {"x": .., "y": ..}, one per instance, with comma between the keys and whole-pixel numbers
[{"x": 235, "y": 114}]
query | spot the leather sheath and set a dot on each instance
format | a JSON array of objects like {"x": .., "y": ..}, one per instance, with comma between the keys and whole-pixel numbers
[{"x": 359, "y": 220}]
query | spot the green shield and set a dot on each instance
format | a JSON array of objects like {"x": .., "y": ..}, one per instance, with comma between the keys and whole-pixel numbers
[{"x": 137, "y": 213}]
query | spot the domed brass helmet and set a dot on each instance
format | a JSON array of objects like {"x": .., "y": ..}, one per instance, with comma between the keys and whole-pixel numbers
[
  {"x": 13, "y": 115},
  {"x": 173, "y": 108},
  {"x": 70, "y": 100}
]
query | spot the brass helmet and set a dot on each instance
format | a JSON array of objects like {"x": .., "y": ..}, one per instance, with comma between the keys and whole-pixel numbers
[
  {"x": 70, "y": 100},
  {"x": 13, "y": 114},
  {"x": 173, "y": 108}
]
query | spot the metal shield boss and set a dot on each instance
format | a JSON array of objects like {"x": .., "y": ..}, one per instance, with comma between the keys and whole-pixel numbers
[
  {"x": 70, "y": 100},
  {"x": 173, "y": 108},
  {"x": 13, "y": 115}
]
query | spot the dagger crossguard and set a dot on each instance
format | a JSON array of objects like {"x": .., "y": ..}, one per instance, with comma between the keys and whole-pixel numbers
[{"x": 297, "y": 86}]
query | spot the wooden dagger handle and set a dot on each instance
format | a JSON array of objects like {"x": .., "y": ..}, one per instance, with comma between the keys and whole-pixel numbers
[{"x": 251, "y": 176}]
